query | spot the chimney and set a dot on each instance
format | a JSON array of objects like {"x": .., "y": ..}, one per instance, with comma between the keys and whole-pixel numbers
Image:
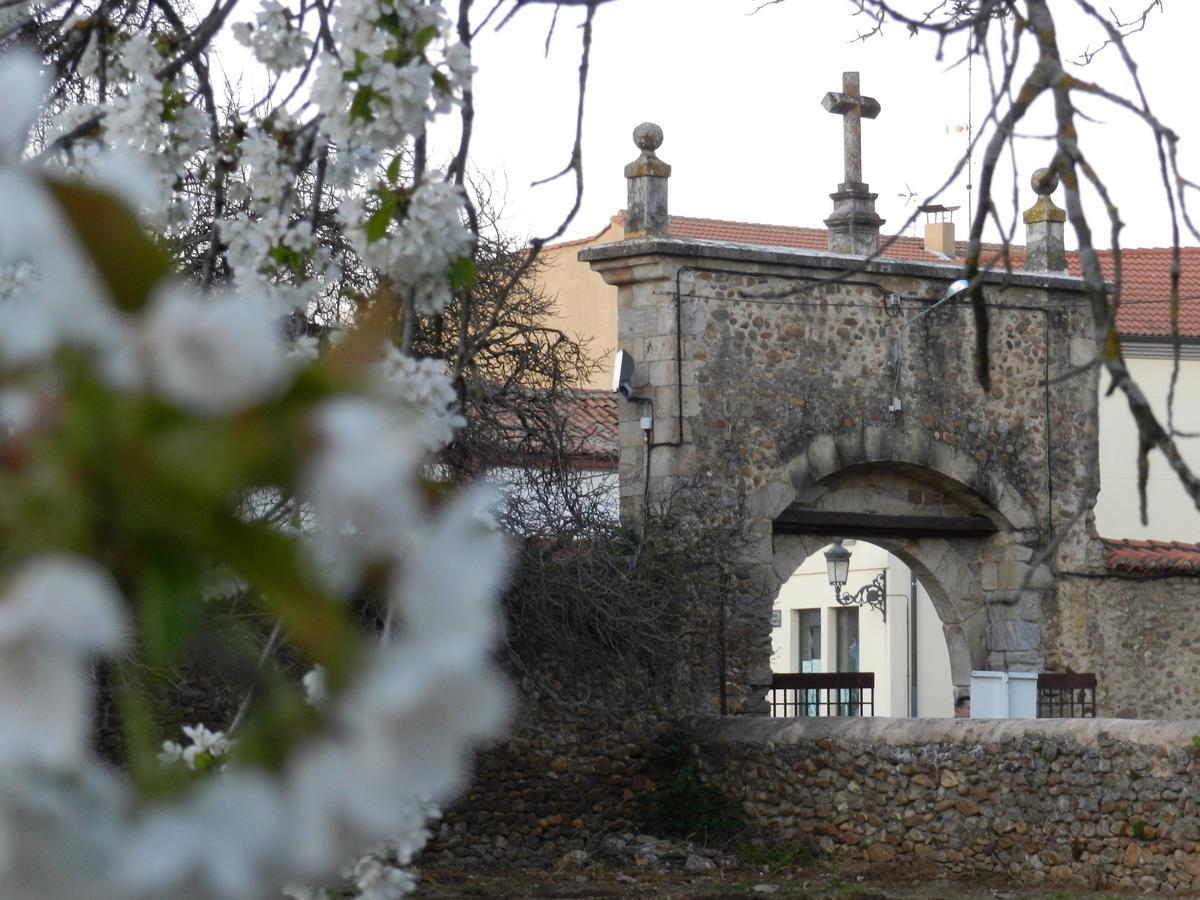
[{"x": 939, "y": 230}]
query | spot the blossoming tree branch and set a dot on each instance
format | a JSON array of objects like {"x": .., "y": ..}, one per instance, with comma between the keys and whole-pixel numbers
[{"x": 207, "y": 303}]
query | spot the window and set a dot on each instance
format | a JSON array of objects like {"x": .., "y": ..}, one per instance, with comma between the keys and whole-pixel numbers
[
  {"x": 846, "y": 634},
  {"x": 810, "y": 640},
  {"x": 847, "y": 639},
  {"x": 809, "y": 622}
]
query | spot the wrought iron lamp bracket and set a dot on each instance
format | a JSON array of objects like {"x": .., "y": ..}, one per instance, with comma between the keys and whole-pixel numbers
[{"x": 872, "y": 594}]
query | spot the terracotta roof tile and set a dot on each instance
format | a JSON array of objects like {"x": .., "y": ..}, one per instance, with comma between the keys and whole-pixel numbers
[
  {"x": 1124, "y": 556},
  {"x": 1146, "y": 289},
  {"x": 1145, "y": 271},
  {"x": 592, "y": 418}
]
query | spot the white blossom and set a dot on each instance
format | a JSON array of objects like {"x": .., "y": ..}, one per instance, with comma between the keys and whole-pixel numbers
[
  {"x": 424, "y": 389},
  {"x": 55, "y": 612},
  {"x": 401, "y": 727},
  {"x": 171, "y": 753},
  {"x": 360, "y": 486},
  {"x": 213, "y": 356},
  {"x": 420, "y": 251},
  {"x": 205, "y": 743},
  {"x": 377, "y": 878},
  {"x": 22, "y": 86},
  {"x": 316, "y": 691},
  {"x": 62, "y": 300},
  {"x": 135, "y": 118},
  {"x": 448, "y": 603},
  {"x": 18, "y": 409},
  {"x": 138, "y": 56},
  {"x": 274, "y": 40}
]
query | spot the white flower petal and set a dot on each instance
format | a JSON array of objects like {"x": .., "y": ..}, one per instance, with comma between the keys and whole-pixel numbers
[
  {"x": 22, "y": 87},
  {"x": 214, "y": 356}
]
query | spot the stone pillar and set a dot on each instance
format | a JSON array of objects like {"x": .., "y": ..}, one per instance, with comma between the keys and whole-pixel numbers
[
  {"x": 646, "y": 211},
  {"x": 854, "y": 225},
  {"x": 1044, "y": 226}
]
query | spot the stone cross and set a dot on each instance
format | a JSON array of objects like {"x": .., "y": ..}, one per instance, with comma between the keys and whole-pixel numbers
[{"x": 853, "y": 108}]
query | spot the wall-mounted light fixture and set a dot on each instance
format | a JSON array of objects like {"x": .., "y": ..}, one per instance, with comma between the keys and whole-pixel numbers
[
  {"x": 873, "y": 594},
  {"x": 956, "y": 290}
]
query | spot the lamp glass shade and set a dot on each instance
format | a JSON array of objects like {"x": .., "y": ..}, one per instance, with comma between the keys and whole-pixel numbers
[{"x": 837, "y": 560}]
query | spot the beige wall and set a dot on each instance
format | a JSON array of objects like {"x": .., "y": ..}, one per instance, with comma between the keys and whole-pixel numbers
[
  {"x": 1172, "y": 515},
  {"x": 587, "y": 306}
]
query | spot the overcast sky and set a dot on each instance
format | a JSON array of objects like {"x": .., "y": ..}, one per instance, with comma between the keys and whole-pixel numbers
[{"x": 738, "y": 97}]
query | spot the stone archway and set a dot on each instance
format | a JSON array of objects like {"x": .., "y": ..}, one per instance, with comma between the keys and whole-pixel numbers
[
  {"x": 964, "y": 631},
  {"x": 791, "y": 397},
  {"x": 967, "y": 535}
]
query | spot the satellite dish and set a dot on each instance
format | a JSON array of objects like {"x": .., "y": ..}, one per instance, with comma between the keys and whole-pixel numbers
[{"x": 623, "y": 374}]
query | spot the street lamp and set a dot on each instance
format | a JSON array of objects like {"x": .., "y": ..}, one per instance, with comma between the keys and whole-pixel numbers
[{"x": 872, "y": 594}]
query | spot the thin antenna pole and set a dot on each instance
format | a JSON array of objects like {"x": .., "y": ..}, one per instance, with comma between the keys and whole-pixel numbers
[{"x": 970, "y": 129}]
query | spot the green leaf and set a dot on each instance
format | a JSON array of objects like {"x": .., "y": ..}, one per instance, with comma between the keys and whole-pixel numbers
[
  {"x": 271, "y": 563},
  {"x": 140, "y": 736},
  {"x": 377, "y": 225},
  {"x": 168, "y": 606},
  {"x": 463, "y": 273},
  {"x": 360, "y": 106},
  {"x": 129, "y": 262},
  {"x": 391, "y": 24},
  {"x": 287, "y": 258},
  {"x": 360, "y": 60},
  {"x": 422, "y": 38},
  {"x": 172, "y": 100},
  {"x": 203, "y": 761},
  {"x": 393, "y": 170}
]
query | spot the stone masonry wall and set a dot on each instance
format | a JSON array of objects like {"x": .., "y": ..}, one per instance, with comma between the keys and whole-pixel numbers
[
  {"x": 570, "y": 771},
  {"x": 1087, "y": 802},
  {"x": 1140, "y": 636},
  {"x": 783, "y": 384}
]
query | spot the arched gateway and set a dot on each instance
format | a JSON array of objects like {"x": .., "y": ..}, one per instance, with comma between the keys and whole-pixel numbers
[{"x": 803, "y": 395}]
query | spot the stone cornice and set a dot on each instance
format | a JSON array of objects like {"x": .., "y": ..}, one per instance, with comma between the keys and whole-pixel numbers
[{"x": 816, "y": 259}]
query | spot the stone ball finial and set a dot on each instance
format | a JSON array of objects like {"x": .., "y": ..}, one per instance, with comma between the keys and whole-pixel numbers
[
  {"x": 648, "y": 137},
  {"x": 1044, "y": 182}
]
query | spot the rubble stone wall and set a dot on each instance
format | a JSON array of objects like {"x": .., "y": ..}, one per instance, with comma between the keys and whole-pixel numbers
[
  {"x": 1088, "y": 802},
  {"x": 1140, "y": 636},
  {"x": 569, "y": 773}
]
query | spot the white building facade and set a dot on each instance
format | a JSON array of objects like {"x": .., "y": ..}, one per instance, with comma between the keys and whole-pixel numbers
[{"x": 906, "y": 649}]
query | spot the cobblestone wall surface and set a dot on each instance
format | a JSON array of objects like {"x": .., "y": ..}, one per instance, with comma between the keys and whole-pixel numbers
[
  {"x": 1089, "y": 802},
  {"x": 570, "y": 772},
  {"x": 1140, "y": 637}
]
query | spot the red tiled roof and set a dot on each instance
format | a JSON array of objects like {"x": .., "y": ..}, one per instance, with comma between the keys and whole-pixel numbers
[
  {"x": 581, "y": 422},
  {"x": 593, "y": 422},
  {"x": 1124, "y": 556},
  {"x": 1145, "y": 271},
  {"x": 1145, "y": 309}
]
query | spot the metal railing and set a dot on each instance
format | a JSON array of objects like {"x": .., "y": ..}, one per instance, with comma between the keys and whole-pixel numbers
[
  {"x": 822, "y": 694},
  {"x": 1066, "y": 695}
]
